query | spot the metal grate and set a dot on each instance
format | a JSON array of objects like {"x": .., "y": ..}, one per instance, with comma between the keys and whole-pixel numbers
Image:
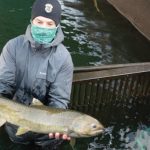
[{"x": 94, "y": 88}]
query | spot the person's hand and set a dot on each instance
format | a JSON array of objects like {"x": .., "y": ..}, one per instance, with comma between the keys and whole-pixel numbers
[{"x": 59, "y": 136}]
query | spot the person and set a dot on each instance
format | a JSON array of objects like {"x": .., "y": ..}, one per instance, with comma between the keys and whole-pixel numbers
[{"x": 37, "y": 65}]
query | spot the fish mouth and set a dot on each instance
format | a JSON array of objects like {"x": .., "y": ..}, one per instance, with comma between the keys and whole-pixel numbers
[
  {"x": 97, "y": 132},
  {"x": 93, "y": 133}
]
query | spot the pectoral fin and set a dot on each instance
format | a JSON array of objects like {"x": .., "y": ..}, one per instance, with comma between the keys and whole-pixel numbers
[
  {"x": 72, "y": 143},
  {"x": 21, "y": 131},
  {"x": 96, "y": 5},
  {"x": 2, "y": 121}
]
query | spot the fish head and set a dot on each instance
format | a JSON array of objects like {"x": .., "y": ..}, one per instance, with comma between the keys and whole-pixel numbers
[{"x": 85, "y": 126}]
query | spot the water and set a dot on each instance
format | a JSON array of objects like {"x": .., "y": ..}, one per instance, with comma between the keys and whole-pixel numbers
[
  {"x": 92, "y": 39},
  {"x": 106, "y": 38}
]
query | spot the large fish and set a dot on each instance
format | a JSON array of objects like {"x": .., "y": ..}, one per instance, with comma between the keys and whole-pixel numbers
[{"x": 43, "y": 119}]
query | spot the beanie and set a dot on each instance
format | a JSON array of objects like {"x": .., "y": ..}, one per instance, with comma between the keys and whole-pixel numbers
[{"x": 47, "y": 8}]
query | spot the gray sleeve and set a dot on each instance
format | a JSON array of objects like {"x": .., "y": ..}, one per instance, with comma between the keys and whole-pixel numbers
[
  {"x": 7, "y": 70},
  {"x": 60, "y": 89}
]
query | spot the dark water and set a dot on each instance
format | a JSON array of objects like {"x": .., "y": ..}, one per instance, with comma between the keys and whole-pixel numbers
[{"x": 92, "y": 39}]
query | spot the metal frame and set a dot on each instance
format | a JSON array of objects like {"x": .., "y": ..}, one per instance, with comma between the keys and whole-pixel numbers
[{"x": 95, "y": 87}]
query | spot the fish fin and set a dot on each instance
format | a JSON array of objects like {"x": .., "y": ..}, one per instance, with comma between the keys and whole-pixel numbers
[
  {"x": 96, "y": 5},
  {"x": 21, "y": 131},
  {"x": 72, "y": 143},
  {"x": 2, "y": 121},
  {"x": 36, "y": 102}
]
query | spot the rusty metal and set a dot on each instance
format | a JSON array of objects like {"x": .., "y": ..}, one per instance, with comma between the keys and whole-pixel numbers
[{"x": 96, "y": 87}]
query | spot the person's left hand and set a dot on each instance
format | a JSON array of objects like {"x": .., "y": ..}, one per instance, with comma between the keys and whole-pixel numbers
[{"x": 59, "y": 136}]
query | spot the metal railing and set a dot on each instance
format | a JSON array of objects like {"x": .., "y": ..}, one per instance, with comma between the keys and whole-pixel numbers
[{"x": 96, "y": 87}]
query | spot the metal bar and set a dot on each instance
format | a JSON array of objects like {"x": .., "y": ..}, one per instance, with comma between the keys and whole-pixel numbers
[
  {"x": 76, "y": 90},
  {"x": 88, "y": 95},
  {"x": 102, "y": 72},
  {"x": 93, "y": 96},
  {"x": 125, "y": 89},
  {"x": 114, "y": 92},
  {"x": 108, "y": 90},
  {"x": 147, "y": 87},
  {"x": 120, "y": 87},
  {"x": 131, "y": 86},
  {"x": 114, "y": 66}
]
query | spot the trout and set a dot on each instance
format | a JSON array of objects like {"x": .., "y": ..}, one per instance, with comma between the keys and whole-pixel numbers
[{"x": 43, "y": 119}]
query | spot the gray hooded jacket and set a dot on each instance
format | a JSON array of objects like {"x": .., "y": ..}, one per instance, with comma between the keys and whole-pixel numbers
[{"x": 28, "y": 69}]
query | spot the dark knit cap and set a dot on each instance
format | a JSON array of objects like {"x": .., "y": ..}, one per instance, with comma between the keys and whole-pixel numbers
[{"x": 47, "y": 8}]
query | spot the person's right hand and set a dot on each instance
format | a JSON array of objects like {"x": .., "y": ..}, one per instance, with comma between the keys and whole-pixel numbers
[{"x": 59, "y": 136}]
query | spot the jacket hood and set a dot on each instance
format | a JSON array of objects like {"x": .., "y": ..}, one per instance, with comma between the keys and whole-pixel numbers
[{"x": 57, "y": 40}]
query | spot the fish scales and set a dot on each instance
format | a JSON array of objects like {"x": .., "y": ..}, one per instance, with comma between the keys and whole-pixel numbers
[
  {"x": 43, "y": 119},
  {"x": 35, "y": 115}
]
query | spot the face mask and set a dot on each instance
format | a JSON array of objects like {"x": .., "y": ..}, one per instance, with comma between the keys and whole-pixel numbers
[{"x": 43, "y": 35}]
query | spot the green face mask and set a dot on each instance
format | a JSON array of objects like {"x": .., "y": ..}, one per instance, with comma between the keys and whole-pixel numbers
[{"x": 43, "y": 35}]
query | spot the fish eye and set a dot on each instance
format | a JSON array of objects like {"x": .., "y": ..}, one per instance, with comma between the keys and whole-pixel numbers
[{"x": 93, "y": 126}]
